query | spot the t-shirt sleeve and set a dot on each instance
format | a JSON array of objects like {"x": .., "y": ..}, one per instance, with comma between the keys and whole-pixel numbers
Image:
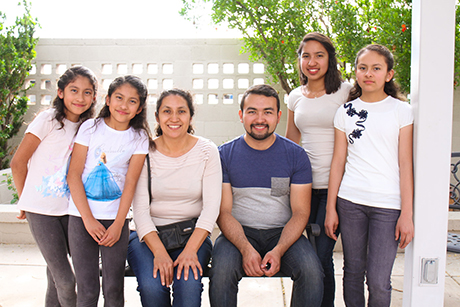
[
  {"x": 143, "y": 144},
  {"x": 339, "y": 120},
  {"x": 223, "y": 162},
  {"x": 292, "y": 99},
  {"x": 41, "y": 125},
  {"x": 84, "y": 133},
  {"x": 345, "y": 88},
  {"x": 302, "y": 171},
  {"x": 406, "y": 115}
]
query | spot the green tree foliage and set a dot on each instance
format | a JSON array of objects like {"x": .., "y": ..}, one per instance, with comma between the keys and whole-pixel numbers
[
  {"x": 355, "y": 24},
  {"x": 17, "y": 46},
  {"x": 272, "y": 31}
]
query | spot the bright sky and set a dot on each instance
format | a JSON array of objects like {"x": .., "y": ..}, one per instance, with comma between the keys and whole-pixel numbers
[{"x": 113, "y": 19}]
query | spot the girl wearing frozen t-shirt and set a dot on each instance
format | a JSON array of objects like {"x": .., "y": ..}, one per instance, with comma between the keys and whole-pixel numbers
[
  {"x": 312, "y": 107},
  {"x": 106, "y": 162},
  {"x": 372, "y": 176},
  {"x": 39, "y": 169}
]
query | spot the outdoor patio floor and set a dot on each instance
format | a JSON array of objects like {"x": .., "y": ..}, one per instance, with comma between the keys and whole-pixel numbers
[{"x": 23, "y": 282}]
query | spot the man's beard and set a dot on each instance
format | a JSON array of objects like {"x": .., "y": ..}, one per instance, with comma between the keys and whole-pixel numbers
[{"x": 260, "y": 137}]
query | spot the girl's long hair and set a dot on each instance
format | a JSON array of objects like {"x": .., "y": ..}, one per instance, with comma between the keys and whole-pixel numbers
[
  {"x": 138, "y": 122},
  {"x": 333, "y": 78},
  {"x": 391, "y": 88},
  {"x": 67, "y": 77}
]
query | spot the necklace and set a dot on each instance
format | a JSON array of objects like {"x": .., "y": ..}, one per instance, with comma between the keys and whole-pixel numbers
[{"x": 310, "y": 94}]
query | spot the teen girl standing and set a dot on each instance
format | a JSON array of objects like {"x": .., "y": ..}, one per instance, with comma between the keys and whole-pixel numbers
[
  {"x": 107, "y": 159},
  {"x": 312, "y": 107},
  {"x": 39, "y": 171},
  {"x": 372, "y": 175}
]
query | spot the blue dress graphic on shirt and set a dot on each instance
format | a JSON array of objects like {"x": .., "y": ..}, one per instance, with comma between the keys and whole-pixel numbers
[{"x": 100, "y": 184}]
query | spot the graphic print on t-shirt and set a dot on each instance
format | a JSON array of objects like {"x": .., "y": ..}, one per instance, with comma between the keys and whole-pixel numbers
[
  {"x": 55, "y": 185},
  {"x": 356, "y": 133},
  {"x": 100, "y": 184}
]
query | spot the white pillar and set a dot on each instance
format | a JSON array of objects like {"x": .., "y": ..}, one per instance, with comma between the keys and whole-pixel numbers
[{"x": 433, "y": 26}]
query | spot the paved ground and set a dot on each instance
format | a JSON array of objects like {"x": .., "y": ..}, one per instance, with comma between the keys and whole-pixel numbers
[{"x": 23, "y": 282}]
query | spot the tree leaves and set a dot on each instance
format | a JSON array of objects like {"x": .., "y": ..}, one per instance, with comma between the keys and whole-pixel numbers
[
  {"x": 272, "y": 31},
  {"x": 17, "y": 45}
]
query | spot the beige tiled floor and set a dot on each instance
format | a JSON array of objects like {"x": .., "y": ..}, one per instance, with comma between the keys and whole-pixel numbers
[{"x": 23, "y": 282}]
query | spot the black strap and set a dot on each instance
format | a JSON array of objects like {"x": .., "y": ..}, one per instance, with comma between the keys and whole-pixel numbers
[{"x": 149, "y": 180}]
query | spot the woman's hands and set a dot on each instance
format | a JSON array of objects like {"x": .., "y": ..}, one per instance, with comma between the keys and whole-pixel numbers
[
  {"x": 188, "y": 260},
  {"x": 163, "y": 265}
]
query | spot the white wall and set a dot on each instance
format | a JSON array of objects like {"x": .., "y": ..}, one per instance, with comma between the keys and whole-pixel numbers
[{"x": 219, "y": 122}]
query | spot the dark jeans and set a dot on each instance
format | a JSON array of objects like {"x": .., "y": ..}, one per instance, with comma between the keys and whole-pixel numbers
[
  {"x": 186, "y": 293},
  {"x": 85, "y": 258},
  {"x": 50, "y": 233},
  {"x": 324, "y": 245},
  {"x": 299, "y": 262},
  {"x": 369, "y": 250}
]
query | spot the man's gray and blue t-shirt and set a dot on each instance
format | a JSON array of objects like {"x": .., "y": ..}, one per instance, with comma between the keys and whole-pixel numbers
[{"x": 261, "y": 180}]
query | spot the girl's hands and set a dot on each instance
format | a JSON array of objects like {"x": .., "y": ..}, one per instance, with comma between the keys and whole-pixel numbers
[
  {"x": 186, "y": 260},
  {"x": 331, "y": 223},
  {"x": 95, "y": 229},
  {"x": 112, "y": 235},
  {"x": 21, "y": 215},
  {"x": 404, "y": 230},
  {"x": 163, "y": 264}
]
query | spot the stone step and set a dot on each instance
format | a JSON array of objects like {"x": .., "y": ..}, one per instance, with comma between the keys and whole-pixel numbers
[{"x": 17, "y": 231}]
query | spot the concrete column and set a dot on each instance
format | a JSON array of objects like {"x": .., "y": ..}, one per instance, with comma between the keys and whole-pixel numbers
[{"x": 433, "y": 26}]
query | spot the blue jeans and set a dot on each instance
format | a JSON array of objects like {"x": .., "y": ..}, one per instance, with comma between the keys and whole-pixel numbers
[
  {"x": 152, "y": 292},
  {"x": 51, "y": 235},
  {"x": 369, "y": 250},
  {"x": 299, "y": 262},
  {"x": 324, "y": 245}
]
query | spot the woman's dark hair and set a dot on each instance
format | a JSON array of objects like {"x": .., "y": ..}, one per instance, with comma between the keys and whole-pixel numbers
[
  {"x": 333, "y": 78},
  {"x": 391, "y": 88},
  {"x": 138, "y": 122},
  {"x": 67, "y": 77},
  {"x": 181, "y": 93}
]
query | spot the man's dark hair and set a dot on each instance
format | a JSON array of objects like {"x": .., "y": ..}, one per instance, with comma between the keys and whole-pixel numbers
[{"x": 264, "y": 90}]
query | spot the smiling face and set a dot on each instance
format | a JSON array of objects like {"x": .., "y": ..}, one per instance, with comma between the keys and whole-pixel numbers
[
  {"x": 372, "y": 74},
  {"x": 124, "y": 104},
  {"x": 259, "y": 117},
  {"x": 314, "y": 61},
  {"x": 78, "y": 96},
  {"x": 174, "y": 116}
]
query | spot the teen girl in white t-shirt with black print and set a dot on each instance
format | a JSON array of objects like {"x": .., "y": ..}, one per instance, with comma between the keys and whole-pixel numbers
[
  {"x": 39, "y": 171},
  {"x": 372, "y": 176}
]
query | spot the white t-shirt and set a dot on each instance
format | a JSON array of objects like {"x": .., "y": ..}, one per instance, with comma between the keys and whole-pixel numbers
[
  {"x": 372, "y": 168},
  {"x": 107, "y": 161},
  {"x": 45, "y": 189},
  {"x": 314, "y": 117}
]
